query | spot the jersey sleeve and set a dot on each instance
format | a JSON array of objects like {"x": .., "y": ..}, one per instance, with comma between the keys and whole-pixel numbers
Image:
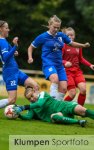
[
  {"x": 7, "y": 51},
  {"x": 28, "y": 116},
  {"x": 83, "y": 60},
  {"x": 38, "y": 41},
  {"x": 40, "y": 102},
  {"x": 66, "y": 39}
]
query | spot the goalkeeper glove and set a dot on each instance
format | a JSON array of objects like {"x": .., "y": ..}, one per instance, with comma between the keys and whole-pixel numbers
[{"x": 18, "y": 109}]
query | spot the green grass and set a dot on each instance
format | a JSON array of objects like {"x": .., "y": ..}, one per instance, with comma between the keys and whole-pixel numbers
[{"x": 34, "y": 127}]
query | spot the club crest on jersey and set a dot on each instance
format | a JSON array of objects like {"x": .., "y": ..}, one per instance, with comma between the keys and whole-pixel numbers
[{"x": 60, "y": 39}]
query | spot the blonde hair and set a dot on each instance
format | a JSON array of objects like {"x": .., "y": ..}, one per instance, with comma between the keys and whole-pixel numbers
[
  {"x": 54, "y": 18},
  {"x": 2, "y": 23},
  {"x": 67, "y": 29}
]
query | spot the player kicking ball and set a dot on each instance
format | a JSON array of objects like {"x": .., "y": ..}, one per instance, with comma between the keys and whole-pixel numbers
[{"x": 46, "y": 108}]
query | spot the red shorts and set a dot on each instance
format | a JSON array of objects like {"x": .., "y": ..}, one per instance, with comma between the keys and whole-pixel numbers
[{"x": 74, "y": 77}]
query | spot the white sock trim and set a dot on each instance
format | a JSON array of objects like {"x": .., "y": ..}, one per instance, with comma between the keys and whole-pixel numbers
[
  {"x": 53, "y": 89},
  {"x": 60, "y": 96},
  {"x": 3, "y": 103}
]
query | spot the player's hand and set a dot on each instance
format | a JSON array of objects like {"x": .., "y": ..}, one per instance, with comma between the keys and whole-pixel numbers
[
  {"x": 17, "y": 109},
  {"x": 30, "y": 60},
  {"x": 92, "y": 67},
  {"x": 68, "y": 64},
  {"x": 87, "y": 44},
  {"x": 15, "y": 41},
  {"x": 28, "y": 92},
  {"x": 16, "y": 53}
]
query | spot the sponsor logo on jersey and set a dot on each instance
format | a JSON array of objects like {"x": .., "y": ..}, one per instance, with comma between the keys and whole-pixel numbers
[{"x": 68, "y": 49}]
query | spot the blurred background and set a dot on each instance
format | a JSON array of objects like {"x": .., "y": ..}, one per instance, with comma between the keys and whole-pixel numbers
[{"x": 26, "y": 17}]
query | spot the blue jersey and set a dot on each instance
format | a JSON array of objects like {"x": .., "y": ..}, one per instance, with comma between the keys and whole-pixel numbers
[
  {"x": 11, "y": 73},
  {"x": 51, "y": 47},
  {"x": 7, "y": 54}
]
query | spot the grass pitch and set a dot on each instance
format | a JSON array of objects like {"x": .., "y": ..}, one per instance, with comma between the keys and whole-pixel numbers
[{"x": 35, "y": 127}]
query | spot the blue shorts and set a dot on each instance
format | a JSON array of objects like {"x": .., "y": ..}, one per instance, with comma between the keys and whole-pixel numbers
[
  {"x": 49, "y": 70},
  {"x": 12, "y": 79}
]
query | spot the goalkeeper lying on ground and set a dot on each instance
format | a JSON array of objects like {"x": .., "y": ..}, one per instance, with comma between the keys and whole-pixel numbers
[{"x": 45, "y": 108}]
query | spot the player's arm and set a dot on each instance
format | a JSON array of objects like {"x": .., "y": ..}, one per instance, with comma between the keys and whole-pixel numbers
[
  {"x": 39, "y": 103},
  {"x": 34, "y": 105},
  {"x": 30, "y": 51},
  {"x": 68, "y": 41},
  {"x": 87, "y": 63},
  {"x": 79, "y": 45},
  {"x": 36, "y": 43},
  {"x": 28, "y": 116},
  {"x": 16, "y": 53},
  {"x": 84, "y": 61},
  {"x": 64, "y": 62},
  {"x": 8, "y": 54},
  {"x": 4, "y": 49}
]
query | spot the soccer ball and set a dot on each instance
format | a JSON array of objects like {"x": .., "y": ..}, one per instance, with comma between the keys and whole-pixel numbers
[{"x": 9, "y": 112}]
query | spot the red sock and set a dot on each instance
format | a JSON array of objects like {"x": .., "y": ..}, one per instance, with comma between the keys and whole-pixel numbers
[
  {"x": 68, "y": 98},
  {"x": 81, "y": 99}
]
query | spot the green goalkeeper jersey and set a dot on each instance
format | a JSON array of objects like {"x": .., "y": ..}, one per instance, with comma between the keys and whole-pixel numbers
[{"x": 46, "y": 105}]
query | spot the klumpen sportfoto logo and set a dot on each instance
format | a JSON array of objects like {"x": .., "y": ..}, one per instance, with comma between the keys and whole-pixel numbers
[{"x": 53, "y": 142}]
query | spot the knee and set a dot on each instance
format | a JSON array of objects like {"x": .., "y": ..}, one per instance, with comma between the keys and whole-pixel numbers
[
  {"x": 80, "y": 110},
  {"x": 59, "y": 114},
  {"x": 63, "y": 87},
  {"x": 54, "y": 78}
]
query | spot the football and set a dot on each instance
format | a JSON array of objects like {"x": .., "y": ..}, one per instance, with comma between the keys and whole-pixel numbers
[{"x": 9, "y": 112}]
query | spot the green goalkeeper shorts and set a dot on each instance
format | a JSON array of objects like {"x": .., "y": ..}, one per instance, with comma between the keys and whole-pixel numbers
[{"x": 68, "y": 108}]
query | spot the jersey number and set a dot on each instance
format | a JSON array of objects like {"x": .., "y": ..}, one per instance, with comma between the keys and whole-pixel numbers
[{"x": 13, "y": 83}]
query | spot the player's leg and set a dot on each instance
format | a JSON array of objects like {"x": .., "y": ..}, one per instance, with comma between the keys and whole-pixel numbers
[
  {"x": 71, "y": 94},
  {"x": 62, "y": 85},
  {"x": 82, "y": 111},
  {"x": 25, "y": 80},
  {"x": 11, "y": 86},
  {"x": 82, "y": 94},
  {"x": 50, "y": 73},
  {"x": 81, "y": 84},
  {"x": 11, "y": 82},
  {"x": 12, "y": 95},
  {"x": 59, "y": 118},
  {"x": 62, "y": 90},
  {"x": 4, "y": 102},
  {"x": 30, "y": 82},
  {"x": 71, "y": 87}
]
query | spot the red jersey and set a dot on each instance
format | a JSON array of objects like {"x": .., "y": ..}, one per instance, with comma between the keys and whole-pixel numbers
[{"x": 73, "y": 55}]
